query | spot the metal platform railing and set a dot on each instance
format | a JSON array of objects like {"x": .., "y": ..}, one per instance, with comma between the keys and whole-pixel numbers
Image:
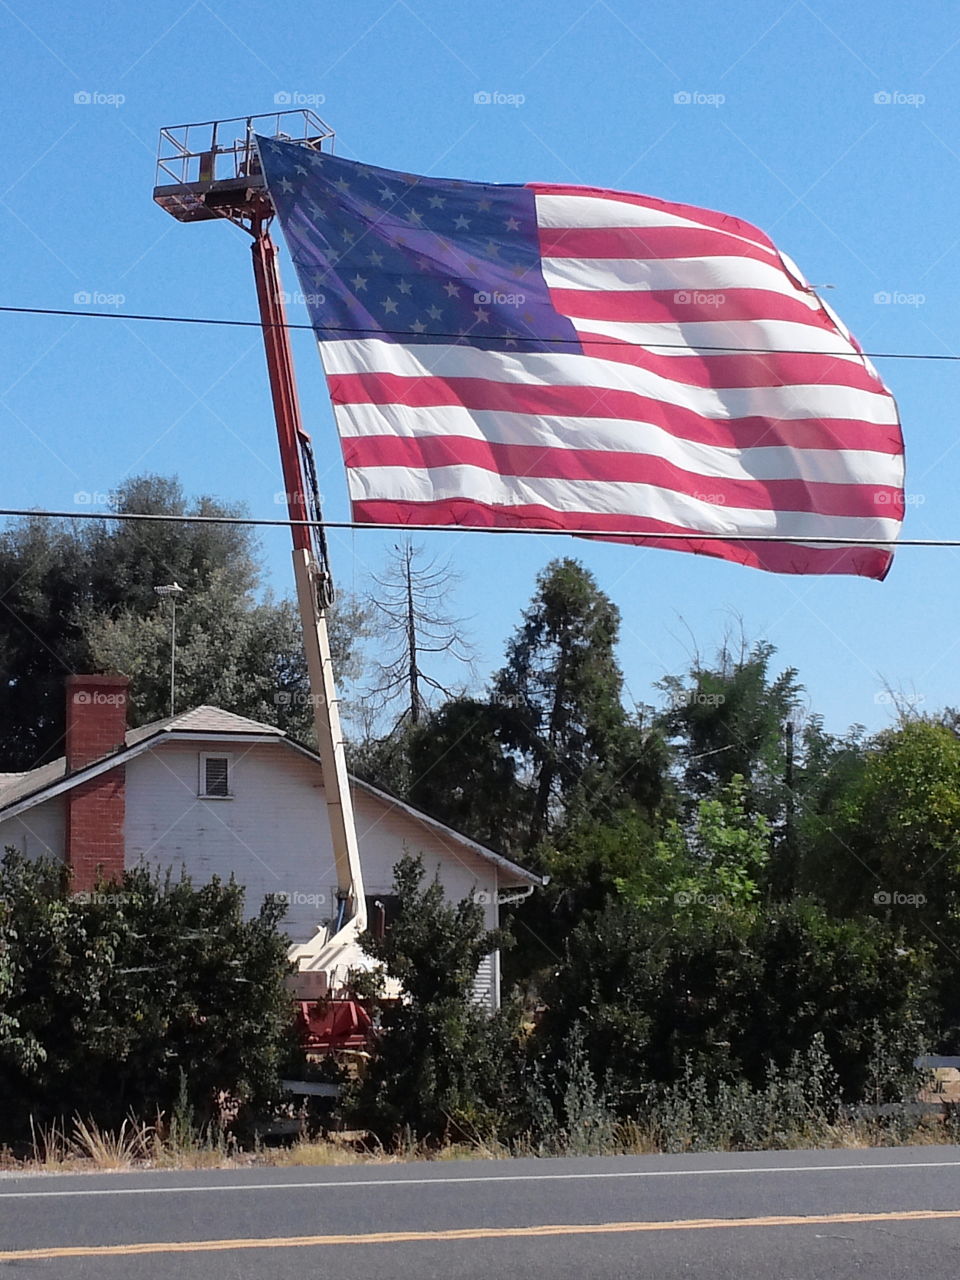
[
  {"x": 221, "y": 150},
  {"x": 211, "y": 169}
]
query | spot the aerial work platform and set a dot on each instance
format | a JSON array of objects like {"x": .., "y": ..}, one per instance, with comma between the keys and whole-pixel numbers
[{"x": 212, "y": 170}]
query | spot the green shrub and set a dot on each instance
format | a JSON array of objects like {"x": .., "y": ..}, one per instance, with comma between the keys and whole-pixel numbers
[
  {"x": 438, "y": 1070},
  {"x": 109, "y": 1000},
  {"x": 719, "y": 996}
]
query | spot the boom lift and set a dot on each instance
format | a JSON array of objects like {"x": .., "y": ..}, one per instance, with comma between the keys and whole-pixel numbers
[{"x": 212, "y": 170}]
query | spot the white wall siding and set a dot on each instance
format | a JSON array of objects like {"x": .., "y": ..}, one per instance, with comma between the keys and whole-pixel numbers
[
  {"x": 273, "y": 835},
  {"x": 270, "y": 834},
  {"x": 385, "y": 833},
  {"x": 40, "y": 832},
  {"x": 485, "y": 984}
]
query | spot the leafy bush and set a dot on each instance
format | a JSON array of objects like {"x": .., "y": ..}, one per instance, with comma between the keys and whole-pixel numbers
[
  {"x": 566, "y": 1109},
  {"x": 110, "y": 1000},
  {"x": 790, "y": 1108},
  {"x": 438, "y": 1071},
  {"x": 720, "y": 996}
]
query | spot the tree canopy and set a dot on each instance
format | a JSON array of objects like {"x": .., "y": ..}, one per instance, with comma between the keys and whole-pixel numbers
[{"x": 79, "y": 596}]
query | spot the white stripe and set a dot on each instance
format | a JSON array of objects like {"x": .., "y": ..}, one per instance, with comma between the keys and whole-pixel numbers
[
  {"x": 683, "y": 275},
  {"x": 603, "y": 497},
  {"x": 585, "y": 212},
  {"x": 374, "y": 355},
  {"x": 444, "y": 1179},
  {"x": 613, "y": 435},
  {"x": 718, "y": 336}
]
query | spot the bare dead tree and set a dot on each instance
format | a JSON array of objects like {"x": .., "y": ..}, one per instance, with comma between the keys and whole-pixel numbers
[{"x": 410, "y": 600}]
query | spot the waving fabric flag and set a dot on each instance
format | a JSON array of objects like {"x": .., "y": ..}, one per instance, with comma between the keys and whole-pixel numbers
[{"x": 575, "y": 358}]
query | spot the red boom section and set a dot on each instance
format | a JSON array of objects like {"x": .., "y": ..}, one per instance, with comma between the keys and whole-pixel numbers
[
  {"x": 283, "y": 387},
  {"x": 331, "y": 1026}
]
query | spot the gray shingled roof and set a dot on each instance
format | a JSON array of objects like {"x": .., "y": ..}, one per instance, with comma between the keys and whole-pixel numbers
[
  {"x": 202, "y": 720},
  {"x": 14, "y": 786}
]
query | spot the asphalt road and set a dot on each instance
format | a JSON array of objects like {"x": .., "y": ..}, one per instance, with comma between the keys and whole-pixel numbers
[{"x": 887, "y": 1214}]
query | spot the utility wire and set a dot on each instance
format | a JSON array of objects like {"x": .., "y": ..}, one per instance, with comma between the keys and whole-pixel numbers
[
  {"x": 604, "y": 536},
  {"x": 456, "y": 337}
]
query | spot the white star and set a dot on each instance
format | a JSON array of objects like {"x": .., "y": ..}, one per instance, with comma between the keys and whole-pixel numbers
[
  {"x": 461, "y": 223},
  {"x": 375, "y": 259},
  {"x": 416, "y": 216},
  {"x": 286, "y": 185},
  {"x": 452, "y": 290},
  {"x": 434, "y": 313},
  {"x": 513, "y": 224},
  {"x": 358, "y": 282},
  {"x": 492, "y": 249},
  {"x": 389, "y": 305},
  {"x": 349, "y": 236},
  {"x": 404, "y": 286},
  {"x": 342, "y": 185},
  {"x": 418, "y": 326},
  {"x": 301, "y": 169},
  {"x": 481, "y": 314},
  {"x": 510, "y": 340},
  {"x": 386, "y": 193},
  {"x": 436, "y": 202}
]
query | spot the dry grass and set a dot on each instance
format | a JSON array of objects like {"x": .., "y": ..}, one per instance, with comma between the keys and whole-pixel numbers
[
  {"x": 322, "y": 1151},
  {"x": 86, "y": 1147},
  {"x": 112, "y": 1149},
  {"x": 50, "y": 1147}
]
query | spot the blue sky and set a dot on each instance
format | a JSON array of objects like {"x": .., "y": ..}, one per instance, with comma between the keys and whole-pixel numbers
[{"x": 832, "y": 127}]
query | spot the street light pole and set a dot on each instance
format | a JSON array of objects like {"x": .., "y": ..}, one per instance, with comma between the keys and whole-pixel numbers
[{"x": 172, "y": 590}]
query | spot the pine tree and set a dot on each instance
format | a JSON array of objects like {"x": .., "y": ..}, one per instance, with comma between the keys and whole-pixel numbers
[{"x": 564, "y": 686}]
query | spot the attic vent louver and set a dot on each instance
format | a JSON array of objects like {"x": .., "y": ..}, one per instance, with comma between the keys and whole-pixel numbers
[{"x": 216, "y": 776}]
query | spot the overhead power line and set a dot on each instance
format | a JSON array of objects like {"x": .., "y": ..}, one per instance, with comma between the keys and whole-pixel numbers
[
  {"x": 605, "y": 536},
  {"x": 459, "y": 337}
]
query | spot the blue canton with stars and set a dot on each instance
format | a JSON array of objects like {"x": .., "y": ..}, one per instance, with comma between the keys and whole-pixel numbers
[{"x": 412, "y": 259}]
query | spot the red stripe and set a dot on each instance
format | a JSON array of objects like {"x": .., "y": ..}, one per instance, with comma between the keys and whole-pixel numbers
[
  {"x": 685, "y": 306},
  {"x": 592, "y": 402},
  {"x": 424, "y": 452},
  {"x": 776, "y": 557},
  {"x": 737, "y": 369},
  {"x": 706, "y": 217},
  {"x": 647, "y": 242}
]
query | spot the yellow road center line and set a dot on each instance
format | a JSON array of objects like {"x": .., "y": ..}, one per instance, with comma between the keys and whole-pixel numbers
[{"x": 469, "y": 1233}]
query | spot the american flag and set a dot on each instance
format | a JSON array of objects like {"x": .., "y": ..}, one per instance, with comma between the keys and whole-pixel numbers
[{"x": 573, "y": 358}]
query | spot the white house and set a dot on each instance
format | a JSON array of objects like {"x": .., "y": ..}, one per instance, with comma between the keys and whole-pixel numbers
[{"x": 218, "y": 794}]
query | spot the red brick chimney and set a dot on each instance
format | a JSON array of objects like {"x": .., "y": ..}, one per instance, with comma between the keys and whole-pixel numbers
[{"x": 96, "y": 728}]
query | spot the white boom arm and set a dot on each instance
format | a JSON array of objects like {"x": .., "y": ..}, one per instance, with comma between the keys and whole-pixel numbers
[{"x": 332, "y": 953}]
